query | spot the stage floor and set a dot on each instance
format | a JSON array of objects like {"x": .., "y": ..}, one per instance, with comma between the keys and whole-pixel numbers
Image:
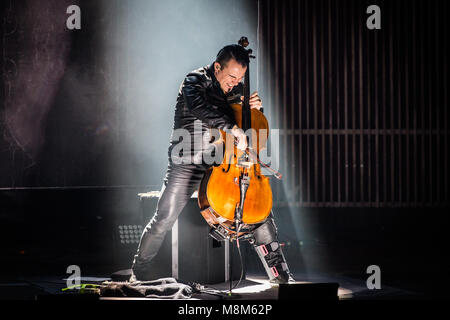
[{"x": 253, "y": 287}]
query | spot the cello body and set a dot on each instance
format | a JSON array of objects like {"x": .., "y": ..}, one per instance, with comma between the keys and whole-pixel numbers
[{"x": 219, "y": 191}]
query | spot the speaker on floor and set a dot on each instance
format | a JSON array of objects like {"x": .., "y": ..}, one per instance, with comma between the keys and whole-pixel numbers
[{"x": 189, "y": 253}]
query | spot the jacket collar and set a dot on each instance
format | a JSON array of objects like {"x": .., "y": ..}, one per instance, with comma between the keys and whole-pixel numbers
[{"x": 210, "y": 70}]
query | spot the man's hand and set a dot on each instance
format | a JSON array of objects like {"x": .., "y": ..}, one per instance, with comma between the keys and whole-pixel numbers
[
  {"x": 241, "y": 137},
  {"x": 255, "y": 101}
]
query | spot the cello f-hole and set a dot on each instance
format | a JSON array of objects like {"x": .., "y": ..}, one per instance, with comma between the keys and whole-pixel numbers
[{"x": 228, "y": 168}]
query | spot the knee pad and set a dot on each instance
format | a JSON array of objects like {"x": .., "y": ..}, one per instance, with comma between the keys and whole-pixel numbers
[{"x": 265, "y": 233}]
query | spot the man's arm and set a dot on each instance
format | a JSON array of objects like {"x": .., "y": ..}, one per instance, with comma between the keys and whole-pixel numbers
[{"x": 194, "y": 96}]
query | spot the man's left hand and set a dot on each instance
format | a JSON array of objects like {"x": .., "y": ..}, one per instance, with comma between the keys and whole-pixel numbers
[{"x": 255, "y": 101}]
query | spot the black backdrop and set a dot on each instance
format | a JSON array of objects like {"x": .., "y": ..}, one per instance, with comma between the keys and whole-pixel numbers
[{"x": 94, "y": 107}]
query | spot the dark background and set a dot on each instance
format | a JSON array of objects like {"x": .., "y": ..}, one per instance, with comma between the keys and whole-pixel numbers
[{"x": 363, "y": 118}]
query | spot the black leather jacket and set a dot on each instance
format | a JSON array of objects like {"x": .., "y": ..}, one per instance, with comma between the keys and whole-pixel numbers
[{"x": 201, "y": 105}]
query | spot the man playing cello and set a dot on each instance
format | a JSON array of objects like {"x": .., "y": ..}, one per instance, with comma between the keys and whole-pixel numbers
[{"x": 205, "y": 95}]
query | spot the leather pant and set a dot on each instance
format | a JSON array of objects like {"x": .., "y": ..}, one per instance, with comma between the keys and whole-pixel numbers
[{"x": 180, "y": 182}]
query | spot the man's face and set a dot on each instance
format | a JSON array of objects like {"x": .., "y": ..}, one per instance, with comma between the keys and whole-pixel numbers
[{"x": 230, "y": 76}]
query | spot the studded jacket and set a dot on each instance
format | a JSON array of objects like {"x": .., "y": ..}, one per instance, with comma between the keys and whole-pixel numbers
[{"x": 201, "y": 105}]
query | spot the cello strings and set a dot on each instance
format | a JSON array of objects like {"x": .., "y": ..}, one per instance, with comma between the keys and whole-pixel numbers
[
  {"x": 257, "y": 46},
  {"x": 255, "y": 159}
]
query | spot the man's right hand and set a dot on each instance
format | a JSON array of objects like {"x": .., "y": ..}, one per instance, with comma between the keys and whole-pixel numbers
[{"x": 241, "y": 137}]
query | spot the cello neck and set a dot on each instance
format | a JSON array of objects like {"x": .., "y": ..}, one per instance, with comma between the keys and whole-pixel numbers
[{"x": 246, "y": 112}]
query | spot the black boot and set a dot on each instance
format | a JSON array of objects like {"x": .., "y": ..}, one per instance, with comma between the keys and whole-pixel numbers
[{"x": 140, "y": 271}]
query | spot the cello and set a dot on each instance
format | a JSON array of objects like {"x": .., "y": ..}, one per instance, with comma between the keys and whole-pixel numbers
[{"x": 235, "y": 195}]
